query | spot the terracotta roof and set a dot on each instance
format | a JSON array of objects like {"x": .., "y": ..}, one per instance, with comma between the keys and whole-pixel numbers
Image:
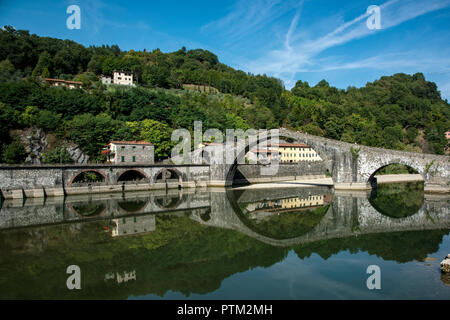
[
  {"x": 145, "y": 143},
  {"x": 291, "y": 145},
  {"x": 61, "y": 80},
  {"x": 263, "y": 151}
]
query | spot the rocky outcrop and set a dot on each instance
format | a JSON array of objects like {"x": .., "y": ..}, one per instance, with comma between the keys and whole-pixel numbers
[
  {"x": 77, "y": 154},
  {"x": 35, "y": 143}
]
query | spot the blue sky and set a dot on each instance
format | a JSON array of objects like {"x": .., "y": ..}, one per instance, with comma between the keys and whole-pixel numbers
[{"x": 308, "y": 40}]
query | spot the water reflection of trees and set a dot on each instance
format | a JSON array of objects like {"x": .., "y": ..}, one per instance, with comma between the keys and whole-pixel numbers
[
  {"x": 287, "y": 225},
  {"x": 396, "y": 246},
  {"x": 398, "y": 200},
  {"x": 181, "y": 255}
]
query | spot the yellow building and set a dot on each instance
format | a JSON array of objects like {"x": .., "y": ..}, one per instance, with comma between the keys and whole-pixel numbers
[
  {"x": 296, "y": 152},
  {"x": 311, "y": 201}
]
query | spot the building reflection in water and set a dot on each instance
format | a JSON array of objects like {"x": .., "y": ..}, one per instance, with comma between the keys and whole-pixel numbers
[
  {"x": 266, "y": 209},
  {"x": 133, "y": 225},
  {"x": 121, "y": 277}
]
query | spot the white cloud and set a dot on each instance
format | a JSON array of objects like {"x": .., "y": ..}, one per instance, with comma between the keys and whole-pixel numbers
[
  {"x": 246, "y": 18},
  {"x": 301, "y": 56}
]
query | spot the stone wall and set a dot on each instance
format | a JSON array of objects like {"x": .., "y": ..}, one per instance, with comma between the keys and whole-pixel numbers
[
  {"x": 286, "y": 171},
  {"x": 37, "y": 181}
]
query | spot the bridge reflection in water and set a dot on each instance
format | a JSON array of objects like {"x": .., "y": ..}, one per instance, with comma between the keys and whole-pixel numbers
[
  {"x": 151, "y": 240},
  {"x": 279, "y": 217}
]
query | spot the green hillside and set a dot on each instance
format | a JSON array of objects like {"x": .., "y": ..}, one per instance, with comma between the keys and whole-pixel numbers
[{"x": 174, "y": 89}]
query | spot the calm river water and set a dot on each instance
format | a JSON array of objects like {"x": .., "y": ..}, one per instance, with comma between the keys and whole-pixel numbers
[{"x": 293, "y": 242}]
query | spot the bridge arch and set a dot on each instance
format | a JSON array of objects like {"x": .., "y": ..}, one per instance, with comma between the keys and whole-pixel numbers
[
  {"x": 169, "y": 201},
  {"x": 168, "y": 174},
  {"x": 322, "y": 149},
  {"x": 369, "y": 177},
  {"x": 89, "y": 209},
  {"x": 80, "y": 176},
  {"x": 134, "y": 174},
  {"x": 296, "y": 227},
  {"x": 132, "y": 206}
]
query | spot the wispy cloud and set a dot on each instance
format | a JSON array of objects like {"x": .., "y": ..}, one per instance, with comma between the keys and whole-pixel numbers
[
  {"x": 397, "y": 60},
  {"x": 300, "y": 55},
  {"x": 246, "y": 18}
]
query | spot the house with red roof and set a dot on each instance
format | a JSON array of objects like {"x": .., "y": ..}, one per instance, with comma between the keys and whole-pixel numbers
[{"x": 129, "y": 152}]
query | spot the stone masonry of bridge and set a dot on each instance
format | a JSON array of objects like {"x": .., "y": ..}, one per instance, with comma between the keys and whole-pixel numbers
[
  {"x": 40, "y": 181},
  {"x": 351, "y": 167}
]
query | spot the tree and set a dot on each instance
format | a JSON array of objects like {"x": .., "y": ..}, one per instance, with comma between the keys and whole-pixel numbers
[
  {"x": 43, "y": 65},
  {"x": 57, "y": 155},
  {"x": 48, "y": 120},
  {"x": 92, "y": 133},
  {"x": 154, "y": 132},
  {"x": 6, "y": 70},
  {"x": 14, "y": 153}
]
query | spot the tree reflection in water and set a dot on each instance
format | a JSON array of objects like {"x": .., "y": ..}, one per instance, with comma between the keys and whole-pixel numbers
[
  {"x": 185, "y": 256},
  {"x": 398, "y": 200}
]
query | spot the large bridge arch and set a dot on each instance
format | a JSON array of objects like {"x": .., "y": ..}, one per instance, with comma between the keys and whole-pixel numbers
[
  {"x": 325, "y": 151},
  {"x": 406, "y": 162},
  {"x": 239, "y": 223}
]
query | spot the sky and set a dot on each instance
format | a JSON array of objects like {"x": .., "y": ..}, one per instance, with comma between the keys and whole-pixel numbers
[{"x": 307, "y": 40}]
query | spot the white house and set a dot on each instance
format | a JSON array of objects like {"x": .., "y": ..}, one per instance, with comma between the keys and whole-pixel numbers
[
  {"x": 106, "y": 80},
  {"x": 123, "y": 78}
]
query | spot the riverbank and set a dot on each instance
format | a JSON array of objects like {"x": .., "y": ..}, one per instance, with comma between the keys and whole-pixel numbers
[
  {"x": 393, "y": 178},
  {"x": 293, "y": 182}
]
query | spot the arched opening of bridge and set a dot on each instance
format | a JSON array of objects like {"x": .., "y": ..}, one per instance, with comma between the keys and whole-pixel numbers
[
  {"x": 397, "y": 190},
  {"x": 206, "y": 216},
  {"x": 89, "y": 209},
  {"x": 394, "y": 172},
  {"x": 133, "y": 176},
  {"x": 132, "y": 205},
  {"x": 168, "y": 176},
  {"x": 296, "y": 161},
  {"x": 169, "y": 201},
  {"x": 281, "y": 215},
  {"x": 89, "y": 177}
]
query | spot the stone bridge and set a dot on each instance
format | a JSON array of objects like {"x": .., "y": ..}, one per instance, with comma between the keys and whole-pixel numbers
[
  {"x": 350, "y": 166},
  {"x": 41, "y": 181},
  {"x": 347, "y": 215}
]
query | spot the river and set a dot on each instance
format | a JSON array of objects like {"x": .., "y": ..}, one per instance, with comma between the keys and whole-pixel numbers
[{"x": 298, "y": 242}]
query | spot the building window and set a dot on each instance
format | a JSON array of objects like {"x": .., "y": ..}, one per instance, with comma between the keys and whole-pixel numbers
[
  {"x": 123, "y": 158},
  {"x": 134, "y": 158}
]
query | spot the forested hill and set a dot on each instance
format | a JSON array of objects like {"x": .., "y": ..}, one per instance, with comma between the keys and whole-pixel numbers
[{"x": 399, "y": 112}]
